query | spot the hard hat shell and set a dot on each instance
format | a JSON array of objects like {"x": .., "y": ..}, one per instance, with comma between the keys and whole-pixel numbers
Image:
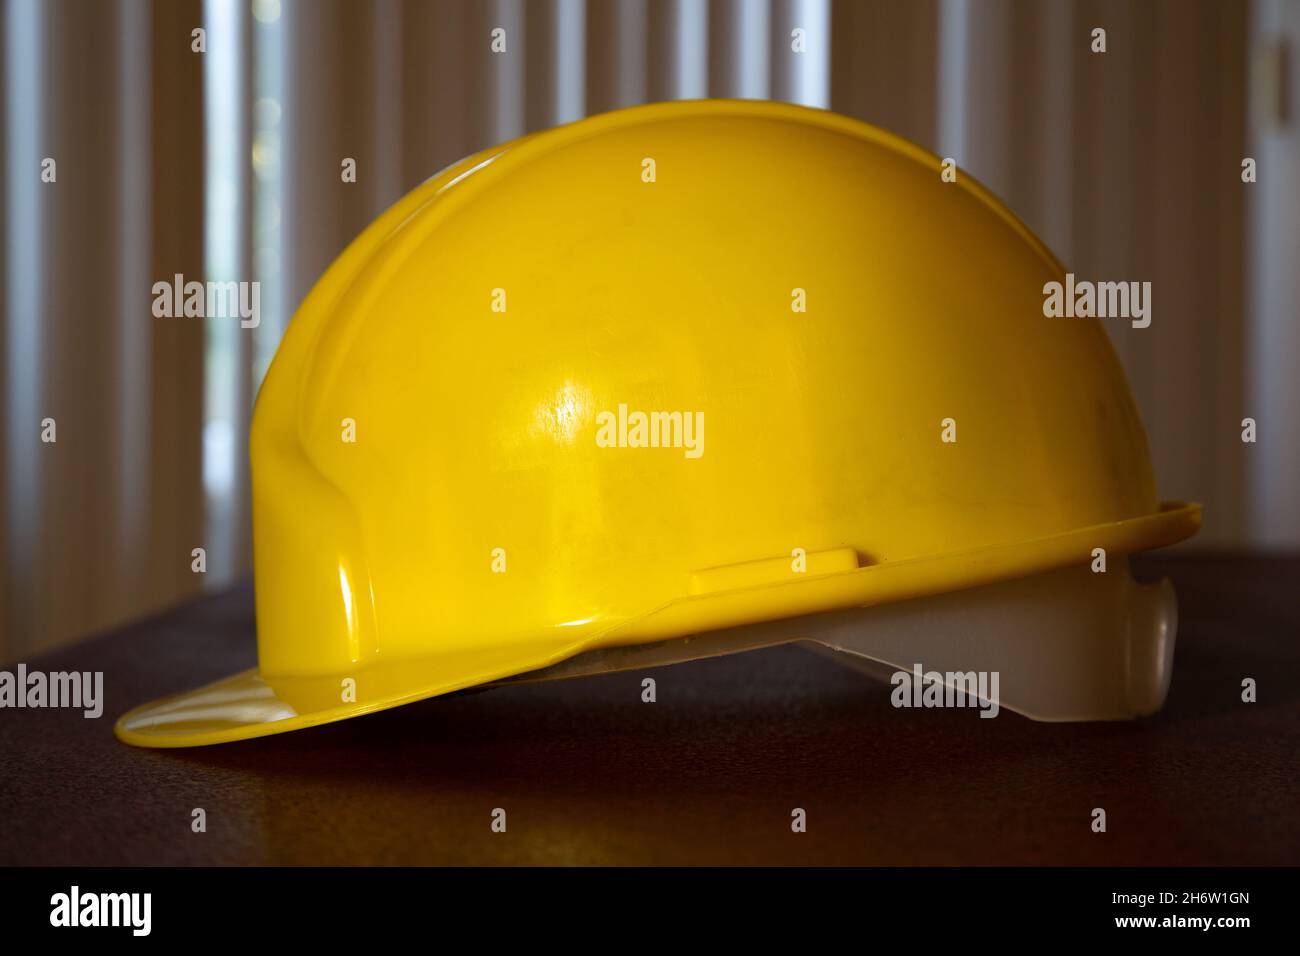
[{"x": 450, "y": 484}]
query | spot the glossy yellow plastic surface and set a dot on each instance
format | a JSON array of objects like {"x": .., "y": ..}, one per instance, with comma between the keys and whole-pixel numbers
[{"x": 476, "y": 332}]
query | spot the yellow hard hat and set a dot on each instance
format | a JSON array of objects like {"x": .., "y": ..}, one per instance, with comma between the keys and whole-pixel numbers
[{"x": 677, "y": 380}]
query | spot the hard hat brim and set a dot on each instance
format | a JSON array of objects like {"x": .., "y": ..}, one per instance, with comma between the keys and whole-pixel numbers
[{"x": 249, "y": 704}]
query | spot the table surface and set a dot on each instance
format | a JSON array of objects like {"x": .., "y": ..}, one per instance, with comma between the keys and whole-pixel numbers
[{"x": 588, "y": 774}]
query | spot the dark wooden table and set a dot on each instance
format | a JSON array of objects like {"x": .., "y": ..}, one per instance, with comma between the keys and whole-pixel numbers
[{"x": 708, "y": 774}]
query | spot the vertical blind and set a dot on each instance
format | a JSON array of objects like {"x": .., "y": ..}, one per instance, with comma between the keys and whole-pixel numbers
[{"x": 225, "y": 165}]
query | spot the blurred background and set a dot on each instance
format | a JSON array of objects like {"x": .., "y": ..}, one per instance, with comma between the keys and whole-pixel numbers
[{"x": 224, "y": 164}]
